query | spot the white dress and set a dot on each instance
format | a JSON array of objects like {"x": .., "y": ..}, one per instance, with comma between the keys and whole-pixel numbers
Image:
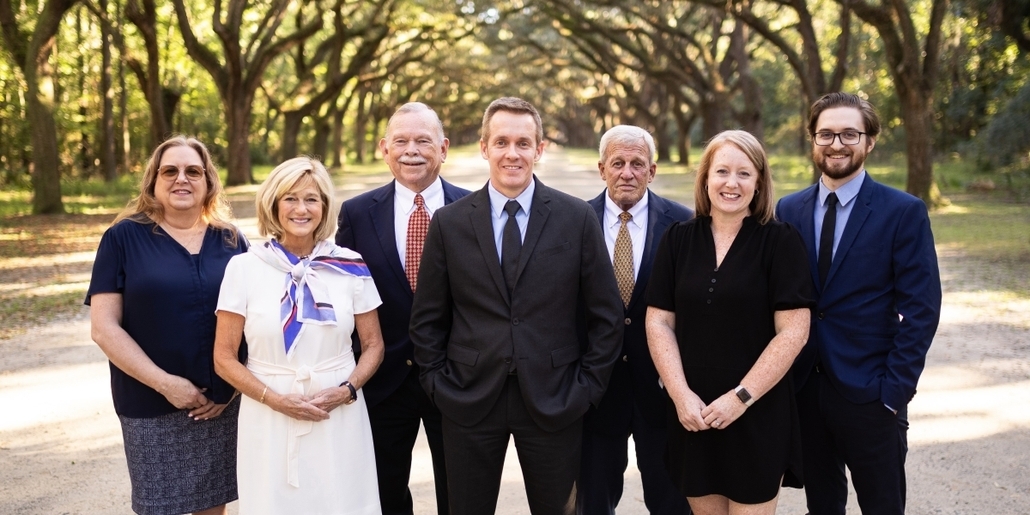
[{"x": 286, "y": 465}]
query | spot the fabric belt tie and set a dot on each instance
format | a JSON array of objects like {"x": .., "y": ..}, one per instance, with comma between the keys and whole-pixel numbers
[{"x": 312, "y": 375}]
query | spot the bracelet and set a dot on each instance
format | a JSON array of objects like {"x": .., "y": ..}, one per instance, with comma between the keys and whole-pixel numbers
[
  {"x": 353, "y": 392},
  {"x": 263, "y": 392}
]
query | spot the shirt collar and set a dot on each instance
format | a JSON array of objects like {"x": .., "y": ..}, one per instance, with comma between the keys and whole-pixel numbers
[
  {"x": 845, "y": 193},
  {"x": 638, "y": 209},
  {"x": 498, "y": 200},
  {"x": 405, "y": 198}
]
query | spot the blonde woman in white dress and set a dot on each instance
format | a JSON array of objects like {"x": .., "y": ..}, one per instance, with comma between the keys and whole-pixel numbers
[{"x": 305, "y": 444}]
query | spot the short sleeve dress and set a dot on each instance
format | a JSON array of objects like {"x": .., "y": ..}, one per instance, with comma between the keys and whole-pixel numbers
[
  {"x": 724, "y": 320},
  {"x": 286, "y": 465}
]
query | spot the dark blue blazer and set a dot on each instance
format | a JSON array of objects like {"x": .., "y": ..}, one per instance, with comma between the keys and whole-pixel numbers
[
  {"x": 634, "y": 379},
  {"x": 366, "y": 226},
  {"x": 885, "y": 266}
]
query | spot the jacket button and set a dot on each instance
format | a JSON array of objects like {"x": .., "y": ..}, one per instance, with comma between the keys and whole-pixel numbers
[
  {"x": 626, "y": 358},
  {"x": 507, "y": 360},
  {"x": 821, "y": 315},
  {"x": 407, "y": 362},
  {"x": 514, "y": 321},
  {"x": 628, "y": 321}
]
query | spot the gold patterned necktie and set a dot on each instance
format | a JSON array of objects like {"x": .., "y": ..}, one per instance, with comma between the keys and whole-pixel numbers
[
  {"x": 418, "y": 226},
  {"x": 623, "y": 261}
]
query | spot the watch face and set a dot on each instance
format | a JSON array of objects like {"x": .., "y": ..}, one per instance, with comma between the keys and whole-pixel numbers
[{"x": 743, "y": 395}]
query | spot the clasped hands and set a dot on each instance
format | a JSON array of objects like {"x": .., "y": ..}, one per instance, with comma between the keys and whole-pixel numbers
[
  {"x": 183, "y": 394},
  {"x": 311, "y": 407},
  {"x": 695, "y": 415}
]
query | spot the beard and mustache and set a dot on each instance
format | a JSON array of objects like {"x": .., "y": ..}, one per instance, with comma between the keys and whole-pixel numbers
[{"x": 838, "y": 170}]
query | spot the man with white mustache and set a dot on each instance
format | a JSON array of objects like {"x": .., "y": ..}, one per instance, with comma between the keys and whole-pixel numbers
[
  {"x": 876, "y": 275},
  {"x": 387, "y": 227}
]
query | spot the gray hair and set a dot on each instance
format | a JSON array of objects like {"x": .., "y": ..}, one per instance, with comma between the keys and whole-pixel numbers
[
  {"x": 626, "y": 135},
  {"x": 417, "y": 107}
]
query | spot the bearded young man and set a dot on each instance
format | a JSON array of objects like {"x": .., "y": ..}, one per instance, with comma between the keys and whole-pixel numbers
[{"x": 879, "y": 303}]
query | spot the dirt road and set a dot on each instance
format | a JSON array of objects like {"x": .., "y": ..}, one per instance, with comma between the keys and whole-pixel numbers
[{"x": 60, "y": 444}]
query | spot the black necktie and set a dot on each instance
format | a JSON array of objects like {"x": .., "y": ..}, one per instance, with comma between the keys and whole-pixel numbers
[
  {"x": 826, "y": 238},
  {"x": 511, "y": 245}
]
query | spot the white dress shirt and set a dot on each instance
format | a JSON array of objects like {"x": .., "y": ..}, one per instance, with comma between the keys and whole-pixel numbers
[
  {"x": 404, "y": 206},
  {"x": 637, "y": 228}
]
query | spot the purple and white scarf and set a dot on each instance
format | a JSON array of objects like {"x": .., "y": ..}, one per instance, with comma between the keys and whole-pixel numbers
[{"x": 306, "y": 297}]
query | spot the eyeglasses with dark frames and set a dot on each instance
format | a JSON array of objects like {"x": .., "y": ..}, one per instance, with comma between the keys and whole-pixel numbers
[{"x": 825, "y": 138}]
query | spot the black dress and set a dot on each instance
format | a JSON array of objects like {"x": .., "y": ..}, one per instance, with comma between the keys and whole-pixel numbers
[{"x": 724, "y": 320}]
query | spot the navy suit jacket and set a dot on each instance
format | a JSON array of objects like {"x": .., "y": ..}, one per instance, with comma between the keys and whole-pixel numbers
[
  {"x": 366, "y": 225},
  {"x": 885, "y": 266},
  {"x": 468, "y": 332},
  {"x": 634, "y": 379}
]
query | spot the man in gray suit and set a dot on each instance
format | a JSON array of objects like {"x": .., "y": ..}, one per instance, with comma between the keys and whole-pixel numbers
[{"x": 494, "y": 323}]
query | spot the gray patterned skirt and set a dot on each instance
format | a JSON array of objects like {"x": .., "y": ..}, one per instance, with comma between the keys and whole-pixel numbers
[{"x": 179, "y": 465}]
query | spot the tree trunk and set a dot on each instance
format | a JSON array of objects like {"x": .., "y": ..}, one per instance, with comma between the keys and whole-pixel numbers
[
  {"x": 684, "y": 123},
  {"x": 292, "y": 121},
  {"x": 108, "y": 137},
  {"x": 713, "y": 114},
  {"x": 321, "y": 143},
  {"x": 85, "y": 149},
  {"x": 123, "y": 102},
  {"x": 750, "y": 90},
  {"x": 662, "y": 138},
  {"x": 32, "y": 52},
  {"x": 238, "y": 108},
  {"x": 360, "y": 122},
  {"x": 917, "y": 111},
  {"x": 39, "y": 113},
  {"x": 336, "y": 140}
]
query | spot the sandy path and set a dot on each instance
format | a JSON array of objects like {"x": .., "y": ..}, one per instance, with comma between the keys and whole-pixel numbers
[{"x": 60, "y": 444}]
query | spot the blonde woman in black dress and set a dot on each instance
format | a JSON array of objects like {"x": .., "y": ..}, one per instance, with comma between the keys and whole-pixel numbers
[{"x": 728, "y": 310}]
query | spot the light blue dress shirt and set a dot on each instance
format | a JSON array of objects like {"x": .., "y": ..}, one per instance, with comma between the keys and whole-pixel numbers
[
  {"x": 499, "y": 216},
  {"x": 845, "y": 196}
]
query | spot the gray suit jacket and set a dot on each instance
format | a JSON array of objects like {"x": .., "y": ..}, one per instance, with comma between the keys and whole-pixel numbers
[{"x": 467, "y": 331}]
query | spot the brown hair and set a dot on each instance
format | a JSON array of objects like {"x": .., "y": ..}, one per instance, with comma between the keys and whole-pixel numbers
[
  {"x": 841, "y": 99},
  {"x": 512, "y": 105},
  {"x": 145, "y": 208},
  {"x": 762, "y": 204}
]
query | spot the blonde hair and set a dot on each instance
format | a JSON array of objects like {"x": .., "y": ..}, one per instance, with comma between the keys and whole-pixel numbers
[
  {"x": 283, "y": 179},
  {"x": 762, "y": 204},
  {"x": 145, "y": 208}
]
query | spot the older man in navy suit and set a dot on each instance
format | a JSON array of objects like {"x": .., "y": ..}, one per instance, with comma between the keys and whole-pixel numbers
[
  {"x": 633, "y": 219},
  {"x": 387, "y": 226},
  {"x": 874, "y": 264}
]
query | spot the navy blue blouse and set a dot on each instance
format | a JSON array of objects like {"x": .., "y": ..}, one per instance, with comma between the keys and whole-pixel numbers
[{"x": 168, "y": 308}]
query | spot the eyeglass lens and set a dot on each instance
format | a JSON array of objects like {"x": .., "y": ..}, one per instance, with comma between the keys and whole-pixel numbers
[
  {"x": 193, "y": 172},
  {"x": 846, "y": 137}
]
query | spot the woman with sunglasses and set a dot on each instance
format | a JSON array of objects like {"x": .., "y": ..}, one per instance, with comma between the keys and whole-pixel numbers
[{"x": 152, "y": 294}]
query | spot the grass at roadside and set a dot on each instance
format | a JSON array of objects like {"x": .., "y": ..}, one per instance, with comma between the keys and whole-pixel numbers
[{"x": 45, "y": 261}]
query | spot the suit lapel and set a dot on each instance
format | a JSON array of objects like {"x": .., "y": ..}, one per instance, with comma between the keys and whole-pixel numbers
[
  {"x": 381, "y": 214},
  {"x": 859, "y": 214},
  {"x": 535, "y": 227},
  {"x": 805, "y": 216},
  {"x": 482, "y": 226},
  {"x": 658, "y": 220}
]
